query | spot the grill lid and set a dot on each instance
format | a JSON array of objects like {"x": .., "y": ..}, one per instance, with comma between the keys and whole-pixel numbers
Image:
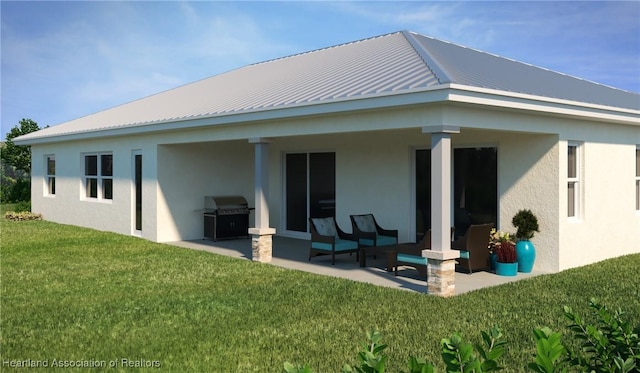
[{"x": 212, "y": 203}]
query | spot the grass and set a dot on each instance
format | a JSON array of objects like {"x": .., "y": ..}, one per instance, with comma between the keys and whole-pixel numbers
[
  {"x": 70, "y": 293},
  {"x": 4, "y": 207}
]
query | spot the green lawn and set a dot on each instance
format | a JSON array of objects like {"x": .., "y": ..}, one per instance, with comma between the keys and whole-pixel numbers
[
  {"x": 4, "y": 207},
  {"x": 73, "y": 294}
]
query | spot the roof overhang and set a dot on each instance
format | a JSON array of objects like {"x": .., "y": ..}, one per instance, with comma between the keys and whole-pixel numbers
[
  {"x": 446, "y": 93},
  {"x": 330, "y": 107},
  {"x": 542, "y": 105}
]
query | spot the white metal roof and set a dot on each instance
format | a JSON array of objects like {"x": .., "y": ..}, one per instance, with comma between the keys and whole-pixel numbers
[{"x": 401, "y": 62}]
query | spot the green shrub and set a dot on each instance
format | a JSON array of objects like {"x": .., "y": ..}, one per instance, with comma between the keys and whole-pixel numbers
[
  {"x": 527, "y": 224},
  {"x": 23, "y": 206},
  {"x": 611, "y": 345},
  {"x": 17, "y": 192},
  {"x": 458, "y": 355},
  {"x": 22, "y": 216}
]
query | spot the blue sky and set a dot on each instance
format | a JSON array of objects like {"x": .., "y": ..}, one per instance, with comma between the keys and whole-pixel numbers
[{"x": 64, "y": 60}]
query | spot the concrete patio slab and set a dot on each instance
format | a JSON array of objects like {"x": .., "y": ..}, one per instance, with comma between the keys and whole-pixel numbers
[{"x": 293, "y": 254}]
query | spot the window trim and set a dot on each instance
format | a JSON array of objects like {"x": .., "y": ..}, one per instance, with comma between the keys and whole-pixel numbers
[
  {"x": 576, "y": 181},
  {"x": 99, "y": 177},
  {"x": 49, "y": 178}
]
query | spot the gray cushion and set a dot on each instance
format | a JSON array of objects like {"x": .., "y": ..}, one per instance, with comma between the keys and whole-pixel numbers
[
  {"x": 325, "y": 226},
  {"x": 365, "y": 223}
]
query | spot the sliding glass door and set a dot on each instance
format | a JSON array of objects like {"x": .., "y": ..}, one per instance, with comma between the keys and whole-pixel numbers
[
  {"x": 475, "y": 188},
  {"x": 310, "y": 180}
]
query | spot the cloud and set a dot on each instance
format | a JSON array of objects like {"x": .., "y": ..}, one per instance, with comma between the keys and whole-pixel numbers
[{"x": 100, "y": 54}]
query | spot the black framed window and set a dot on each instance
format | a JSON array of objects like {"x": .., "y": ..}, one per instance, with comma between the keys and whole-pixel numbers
[{"x": 98, "y": 176}]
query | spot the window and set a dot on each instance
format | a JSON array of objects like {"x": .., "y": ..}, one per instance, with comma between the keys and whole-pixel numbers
[
  {"x": 638, "y": 178},
  {"x": 573, "y": 179},
  {"x": 98, "y": 176},
  {"x": 50, "y": 180}
]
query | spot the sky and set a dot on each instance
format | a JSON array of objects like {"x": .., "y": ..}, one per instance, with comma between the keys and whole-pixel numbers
[{"x": 61, "y": 60}]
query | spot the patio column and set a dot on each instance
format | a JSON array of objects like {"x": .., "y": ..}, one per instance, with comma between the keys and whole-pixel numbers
[
  {"x": 441, "y": 260},
  {"x": 261, "y": 234}
]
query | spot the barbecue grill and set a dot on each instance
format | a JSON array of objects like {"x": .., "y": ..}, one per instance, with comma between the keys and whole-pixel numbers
[{"x": 226, "y": 217}]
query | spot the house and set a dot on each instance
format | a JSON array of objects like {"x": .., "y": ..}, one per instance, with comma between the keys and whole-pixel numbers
[{"x": 418, "y": 131}]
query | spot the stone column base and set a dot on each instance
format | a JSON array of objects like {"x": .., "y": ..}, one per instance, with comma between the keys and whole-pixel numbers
[
  {"x": 261, "y": 246},
  {"x": 441, "y": 277}
]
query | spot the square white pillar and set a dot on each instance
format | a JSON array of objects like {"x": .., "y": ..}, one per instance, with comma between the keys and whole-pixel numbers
[
  {"x": 441, "y": 186},
  {"x": 441, "y": 259},
  {"x": 261, "y": 233}
]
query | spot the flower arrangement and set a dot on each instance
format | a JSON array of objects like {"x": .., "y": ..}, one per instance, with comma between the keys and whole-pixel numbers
[
  {"x": 496, "y": 238},
  {"x": 506, "y": 252}
]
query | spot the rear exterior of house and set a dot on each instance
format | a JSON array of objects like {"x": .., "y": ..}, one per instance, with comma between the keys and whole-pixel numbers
[{"x": 333, "y": 145}]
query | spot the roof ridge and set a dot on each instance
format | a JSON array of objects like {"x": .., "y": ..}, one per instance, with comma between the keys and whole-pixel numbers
[
  {"x": 438, "y": 70},
  {"x": 324, "y": 48},
  {"x": 504, "y": 58}
]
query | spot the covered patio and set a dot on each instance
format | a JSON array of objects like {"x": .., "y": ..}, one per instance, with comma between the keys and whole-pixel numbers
[{"x": 292, "y": 253}]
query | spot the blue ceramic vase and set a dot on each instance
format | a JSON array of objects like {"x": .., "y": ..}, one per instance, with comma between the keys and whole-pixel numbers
[{"x": 526, "y": 253}]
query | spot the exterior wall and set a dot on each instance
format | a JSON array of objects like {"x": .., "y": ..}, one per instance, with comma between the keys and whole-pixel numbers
[
  {"x": 69, "y": 206},
  {"x": 372, "y": 175},
  {"x": 188, "y": 172},
  {"x": 608, "y": 224},
  {"x": 527, "y": 179},
  {"x": 528, "y": 169}
]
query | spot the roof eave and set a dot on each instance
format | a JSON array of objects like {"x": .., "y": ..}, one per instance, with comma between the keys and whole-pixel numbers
[
  {"x": 454, "y": 93},
  {"x": 512, "y": 100},
  {"x": 432, "y": 94}
]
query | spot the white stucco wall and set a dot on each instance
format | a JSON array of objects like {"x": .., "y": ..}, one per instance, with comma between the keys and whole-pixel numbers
[
  {"x": 188, "y": 172},
  {"x": 372, "y": 175},
  {"x": 608, "y": 224},
  {"x": 69, "y": 205}
]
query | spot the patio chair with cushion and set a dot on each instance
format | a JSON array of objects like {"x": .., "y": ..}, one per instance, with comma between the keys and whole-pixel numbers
[
  {"x": 474, "y": 247},
  {"x": 369, "y": 233},
  {"x": 411, "y": 254},
  {"x": 328, "y": 239}
]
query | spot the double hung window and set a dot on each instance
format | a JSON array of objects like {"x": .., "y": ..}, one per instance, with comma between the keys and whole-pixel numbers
[
  {"x": 573, "y": 180},
  {"x": 50, "y": 181},
  {"x": 98, "y": 176}
]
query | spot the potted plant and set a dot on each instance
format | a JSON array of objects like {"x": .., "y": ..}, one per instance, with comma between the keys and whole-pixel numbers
[
  {"x": 496, "y": 238},
  {"x": 527, "y": 225},
  {"x": 506, "y": 259}
]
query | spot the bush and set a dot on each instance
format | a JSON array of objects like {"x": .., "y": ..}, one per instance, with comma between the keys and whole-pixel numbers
[
  {"x": 21, "y": 191},
  {"x": 22, "y": 216},
  {"x": 611, "y": 345},
  {"x": 527, "y": 224},
  {"x": 23, "y": 206}
]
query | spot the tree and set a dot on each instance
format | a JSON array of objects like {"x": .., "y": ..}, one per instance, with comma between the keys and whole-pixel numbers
[{"x": 19, "y": 156}]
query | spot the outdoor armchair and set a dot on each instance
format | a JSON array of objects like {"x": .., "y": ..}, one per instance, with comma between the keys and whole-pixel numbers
[
  {"x": 328, "y": 239},
  {"x": 474, "y": 247},
  {"x": 411, "y": 254},
  {"x": 369, "y": 233}
]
